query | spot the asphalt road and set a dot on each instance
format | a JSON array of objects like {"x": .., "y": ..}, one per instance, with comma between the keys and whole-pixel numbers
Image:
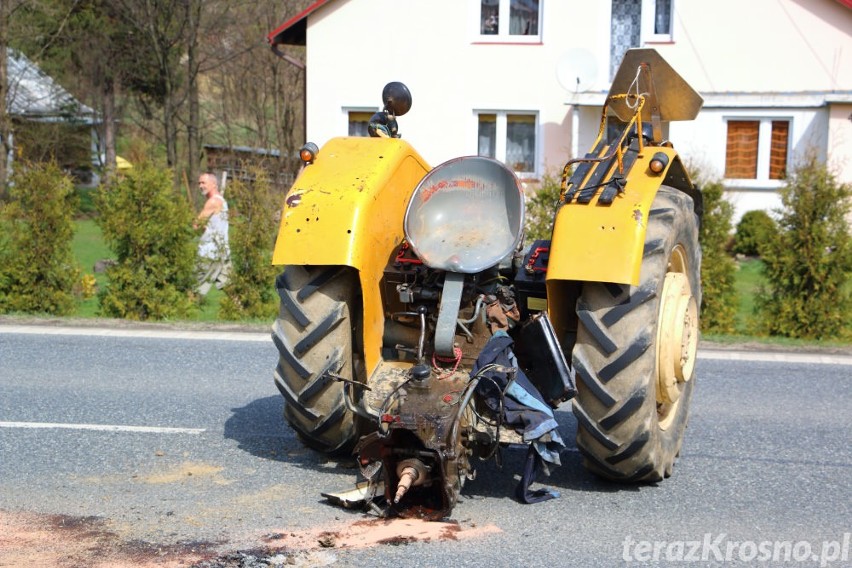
[{"x": 174, "y": 442}]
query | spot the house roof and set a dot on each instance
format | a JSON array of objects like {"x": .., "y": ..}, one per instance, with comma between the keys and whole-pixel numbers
[
  {"x": 294, "y": 30},
  {"x": 34, "y": 95}
]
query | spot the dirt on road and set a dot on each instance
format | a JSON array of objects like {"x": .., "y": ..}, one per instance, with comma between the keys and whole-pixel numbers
[{"x": 60, "y": 541}]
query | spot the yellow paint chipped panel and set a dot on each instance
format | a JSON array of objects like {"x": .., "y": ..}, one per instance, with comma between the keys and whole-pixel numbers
[
  {"x": 347, "y": 209},
  {"x": 604, "y": 243}
]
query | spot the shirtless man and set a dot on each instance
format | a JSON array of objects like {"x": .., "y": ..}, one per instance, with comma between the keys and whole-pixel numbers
[{"x": 214, "y": 254}]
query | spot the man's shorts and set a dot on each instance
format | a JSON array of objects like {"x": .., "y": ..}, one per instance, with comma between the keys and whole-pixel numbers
[{"x": 212, "y": 272}]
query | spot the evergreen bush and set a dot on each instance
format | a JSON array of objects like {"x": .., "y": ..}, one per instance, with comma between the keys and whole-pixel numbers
[
  {"x": 37, "y": 269},
  {"x": 808, "y": 262},
  {"x": 148, "y": 226},
  {"x": 719, "y": 297},
  {"x": 541, "y": 209},
  {"x": 755, "y": 229},
  {"x": 253, "y": 219}
]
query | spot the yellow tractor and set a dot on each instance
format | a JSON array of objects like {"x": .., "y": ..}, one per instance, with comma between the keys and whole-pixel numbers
[{"x": 420, "y": 332}]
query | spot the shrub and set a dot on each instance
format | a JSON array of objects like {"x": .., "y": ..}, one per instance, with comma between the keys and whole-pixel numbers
[
  {"x": 755, "y": 229},
  {"x": 719, "y": 298},
  {"x": 808, "y": 262},
  {"x": 37, "y": 268},
  {"x": 541, "y": 209},
  {"x": 148, "y": 226},
  {"x": 250, "y": 293}
]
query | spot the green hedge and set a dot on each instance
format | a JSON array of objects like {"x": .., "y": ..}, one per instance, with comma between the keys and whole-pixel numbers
[
  {"x": 541, "y": 209},
  {"x": 38, "y": 273},
  {"x": 719, "y": 297},
  {"x": 754, "y": 231},
  {"x": 808, "y": 261},
  {"x": 148, "y": 226},
  {"x": 253, "y": 214}
]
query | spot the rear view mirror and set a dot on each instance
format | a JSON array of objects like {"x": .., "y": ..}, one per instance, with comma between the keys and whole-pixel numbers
[{"x": 397, "y": 98}]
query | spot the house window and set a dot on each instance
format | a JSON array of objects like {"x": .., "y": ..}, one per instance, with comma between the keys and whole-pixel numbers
[
  {"x": 663, "y": 17},
  {"x": 358, "y": 121},
  {"x": 637, "y": 22},
  {"x": 510, "y": 138},
  {"x": 657, "y": 20},
  {"x": 487, "y": 145},
  {"x": 741, "y": 152},
  {"x": 757, "y": 149},
  {"x": 778, "y": 149},
  {"x": 516, "y": 21},
  {"x": 624, "y": 31}
]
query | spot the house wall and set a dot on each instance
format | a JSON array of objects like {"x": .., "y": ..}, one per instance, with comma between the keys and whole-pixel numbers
[
  {"x": 762, "y": 45},
  {"x": 748, "y": 59},
  {"x": 762, "y": 59},
  {"x": 702, "y": 141},
  {"x": 840, "y": 139},
  {"x": 431, "y": 47}
]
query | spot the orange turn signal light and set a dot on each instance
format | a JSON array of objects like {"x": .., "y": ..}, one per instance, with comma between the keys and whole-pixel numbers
[
  {"x": 308, "y": 152},
  {"x": 658, "y": 162}
]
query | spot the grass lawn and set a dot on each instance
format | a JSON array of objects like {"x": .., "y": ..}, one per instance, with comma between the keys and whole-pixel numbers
[
  {"x": 747, "y": 284},
  {"x": 89, "y": 247}
]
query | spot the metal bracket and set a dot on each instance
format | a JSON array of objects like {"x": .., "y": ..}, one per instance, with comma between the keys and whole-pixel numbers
[{"x": 445, "y": 331}]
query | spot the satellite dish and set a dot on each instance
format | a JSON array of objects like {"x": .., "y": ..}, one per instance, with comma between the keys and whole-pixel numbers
[{"x": 576, "y": 70}]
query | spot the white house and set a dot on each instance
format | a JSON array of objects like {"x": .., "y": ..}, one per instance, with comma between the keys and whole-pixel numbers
[{"x": 523, "y": 80}]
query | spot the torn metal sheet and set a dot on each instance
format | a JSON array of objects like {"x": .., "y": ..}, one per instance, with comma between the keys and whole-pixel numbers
[{"x": 357, "y": 496}]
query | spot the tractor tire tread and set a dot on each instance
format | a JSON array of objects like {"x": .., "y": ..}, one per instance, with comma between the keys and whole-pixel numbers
[
  {"x": 313, "y": 335},
  {"x": 615, "y": 356}
]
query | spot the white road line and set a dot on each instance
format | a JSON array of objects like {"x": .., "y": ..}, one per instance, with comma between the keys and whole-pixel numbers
[
  {"x": 703, "y": 353},
  {"x": 775, "y": 357},
  {"x": 103, "y": 427},
  {"x": 151, "y": 333}
]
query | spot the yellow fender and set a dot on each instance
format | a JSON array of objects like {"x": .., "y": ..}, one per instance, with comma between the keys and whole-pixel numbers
[
  {"x": 604, "y": 243},
  {"x": 347, "y": 209}
]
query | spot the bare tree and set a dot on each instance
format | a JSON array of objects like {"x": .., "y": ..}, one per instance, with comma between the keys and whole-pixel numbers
[
  {"x": 158, "y": 27},
  {"x": 256, "y": 97},
  {"x": 4, "y": 86},
  {"x": 177, "y": 73},
  {"x": 193, "y": 139}
]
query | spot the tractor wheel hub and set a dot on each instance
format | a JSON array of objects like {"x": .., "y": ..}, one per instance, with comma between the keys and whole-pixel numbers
[{"x": 677, "y": 338}]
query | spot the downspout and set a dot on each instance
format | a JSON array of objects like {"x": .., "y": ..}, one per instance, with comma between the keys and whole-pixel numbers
[{"x": 575, "y": 131}]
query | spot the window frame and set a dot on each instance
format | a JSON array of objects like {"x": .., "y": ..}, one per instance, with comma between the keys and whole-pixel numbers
[
  {"x": 649, "y": 17},
  {"x": 348, "y": 111},
  {"x": 501, "y": 138},
  {"x": 764, "y": 150},
  {"x": 503, "y": 35}
]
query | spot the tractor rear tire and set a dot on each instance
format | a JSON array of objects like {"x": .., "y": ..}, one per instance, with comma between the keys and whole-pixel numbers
[
  {"x": 314, "y": 337},
  {"x": 635, "y": 352}
]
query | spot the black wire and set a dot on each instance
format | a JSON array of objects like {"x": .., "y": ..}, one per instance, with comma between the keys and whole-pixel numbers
[{"x": 499, "y": 422}]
